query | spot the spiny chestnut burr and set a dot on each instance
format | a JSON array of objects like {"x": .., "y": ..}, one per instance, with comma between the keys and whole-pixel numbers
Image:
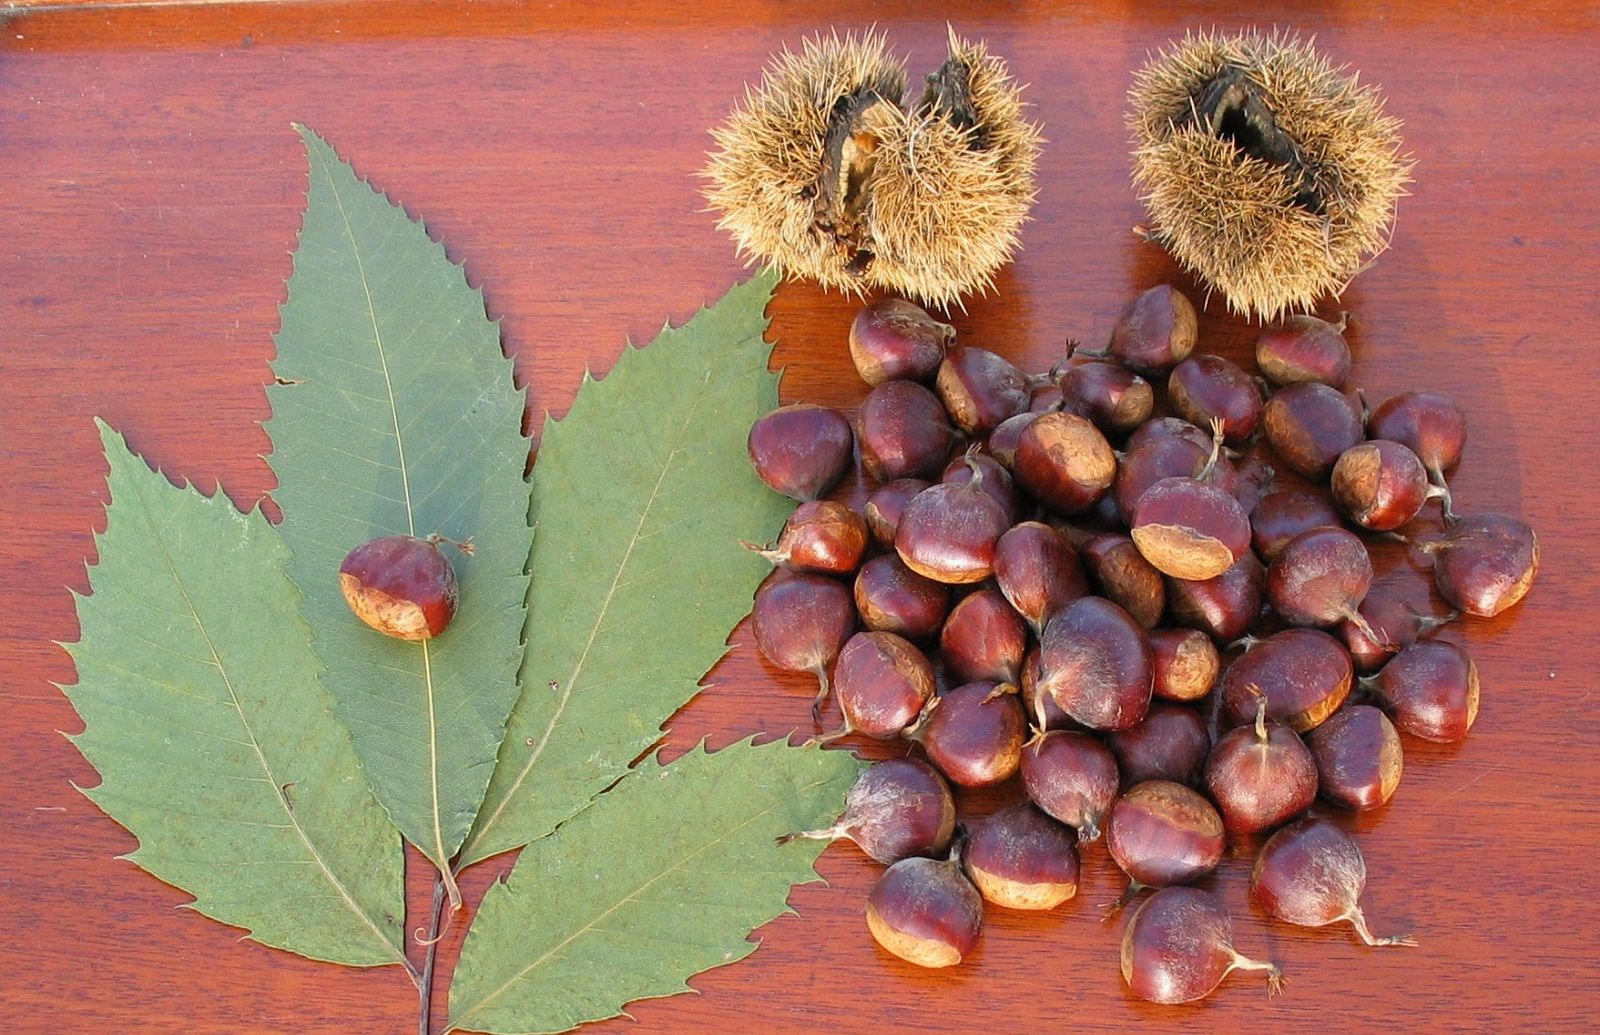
[
  {"x": 1304, "y": 673},
  {"x": 996, "y": 481},
  {"x": 1430, "y": 424},
  {"x": 1320, "y": 577},
  {"x": 1020, "y": 858},
  {"x": 1072, "y": 777},
  {"x": 893, "y": 339},
  {"x": 1179, "y": 946},
  {"x": 1155, "y": 332},
  {"x": 1431, "y": 690},
  {"x": 1207, "y": 388},
  {"x": 1304, "y": 348},
  {"x": 1170, "y": 744},
  {"x": 1359, "y": 758},
  {"x": 897, "y": 808},
  {"x": 948, "y": 532},
  {"x": 1190, "y": 530},
  {"x": 892, "y": 598},
  {"x": 882, "y": 683},
  {"x": 1312, "y": 874},
  {"x": 973, "y": 734},
  {"x": 822, "y": 537},
  {"x": 1261, "y": 775},
  {"x": 1038, "y": 571},
  {"x": 1381, "y": 485},
  {"x": 1113, "y": 398},
  {"x": 401, "y": 586},
  {"x": 1162, "y": 833},
  {"x": 984, "y": 639},
  {"x": 1065, "y": 462},
  {"x": 903, "y": 432},
  {"x": 1485, "y": 564},
  {"x": 1394, "y": 625},
  {"x": 885, "y": 506},
  {"x": 1309, "y": 425},
  {"x": 926, "y": 911},
  {"x": 1224, "y": 607},
  {"x": 801, "y": 623},
  {"x": 1125, "y": 577},
  {"x": 1280, "y": 516},
  {"x": 1096, "y": 663},
  {"x": 1186, "y": 664},
  {"x": 801, "y": 450},
  {"x": 980, "y": 389}
]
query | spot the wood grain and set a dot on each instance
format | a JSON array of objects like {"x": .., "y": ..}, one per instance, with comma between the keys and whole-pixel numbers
[{"x": 152, "y": 191}]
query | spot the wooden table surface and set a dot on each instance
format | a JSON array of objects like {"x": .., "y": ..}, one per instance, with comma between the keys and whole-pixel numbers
[{"x": 152, "y": 188}]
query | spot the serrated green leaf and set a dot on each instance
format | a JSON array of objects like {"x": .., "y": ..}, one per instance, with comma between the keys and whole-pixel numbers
[
  {"x": 395, "y": 412},
  {"x": 640, "y": 497},
  {"x": 659, "y": 879},
  {"x": 216, "y": 744}
]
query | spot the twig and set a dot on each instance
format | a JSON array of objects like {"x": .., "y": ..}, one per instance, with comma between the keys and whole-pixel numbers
[{"x": 425, "y": 987}]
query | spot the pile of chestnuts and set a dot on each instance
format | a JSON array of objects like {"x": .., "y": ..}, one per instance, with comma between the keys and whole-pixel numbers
[{"x": 1164, "y": 640}]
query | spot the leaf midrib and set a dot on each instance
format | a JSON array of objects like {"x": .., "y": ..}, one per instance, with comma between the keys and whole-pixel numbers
[
  {"x": 443, "y": 857},
  {"x": 454, "y": 1024},
  {"x": 594, "y": 631},
  {"x": 255, "y": 744}
]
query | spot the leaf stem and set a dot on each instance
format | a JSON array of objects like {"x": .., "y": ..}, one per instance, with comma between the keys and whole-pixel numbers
[{"x": 425, "y": 986}]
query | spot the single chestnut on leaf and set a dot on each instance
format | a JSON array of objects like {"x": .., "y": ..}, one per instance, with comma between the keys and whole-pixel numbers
[{"x": 402, "y": 586}]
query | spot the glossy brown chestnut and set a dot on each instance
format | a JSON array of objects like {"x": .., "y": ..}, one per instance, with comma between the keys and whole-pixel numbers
[
  {"x": 1179, "y": 946},
  {"x": 1304, "y": 348},
  {"x": 1381, "y": 485},
  {"x": 892, "y": 598},
  {"x": 1320, "y": 577},
  {"x": 1280, "y": 516},
  {"x": 1305, "y": 674},
  {"x": 1312, "y": 874},
  {"x": 897, "y": 808},
  {"x": 1186, "y": 664},
  {"x": 1163, "y": 833},
  {"x": 980, "y": 389},
  {"x": 801, "y": 450},
  {"x": 1394, "y": 625},
  {"x": 1485, "y": 564},
  {"x": 821, "y": 537},
  {"x": 1260, "y": 775},
  {"x": 984, "y": 639},
  {"x": 882, "y": 683},
  {"x": 1113, "y": 398},
  {"x": 1430, "y": 424},
  {"x": 1096, "y": 663},
  {"x": 1431, "y": 690},
  {"x": 1002, "y": 441},
  {"x": 993, "y": 477},
  {"x": 1065, "y": 462},
  {"x": 973, "y": 734},
  {"x": 948, "y": 532},
  {"x": 926, "y": 912},
  {"x": 1020, "y": 858},
  {"x": 1072, "y": 777},
  {"x": 893, "y": 339},
  {"x": 1359, "y": 758},
  {"x": 1190, "y": 530},
  {"x": 1226, "y": 607},
  {"x": 1155, "y": 332},
  {"x": 1207, "y": 388},
  {"x": 903, "y": 432},
  {"x": 1170, "y": 744},
  {"x": 801, "y": 623},
  {"x": 886, "y": 504},
  {"x": 1123, "y": 576},
  {"x": 1170, "y": 456},
  {"x": 1168, "y": 427},
  {"x": 1309, "y": 425},
  {"x": 401, "y": 585},
  {"x": 1041, "y": 709},
  {"x": 1038, "y": 571}
]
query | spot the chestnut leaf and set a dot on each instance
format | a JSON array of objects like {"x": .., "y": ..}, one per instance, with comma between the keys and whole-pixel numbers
[
  {"x": 214, "y": 739},
  {"x": 395, "y": 412},
  {"x": 640, "y": 497},
  {"x": 662, "y": 877}
]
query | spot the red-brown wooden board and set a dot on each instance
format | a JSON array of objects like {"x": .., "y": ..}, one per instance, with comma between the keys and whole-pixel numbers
[{"x": 152, "y": 188}]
